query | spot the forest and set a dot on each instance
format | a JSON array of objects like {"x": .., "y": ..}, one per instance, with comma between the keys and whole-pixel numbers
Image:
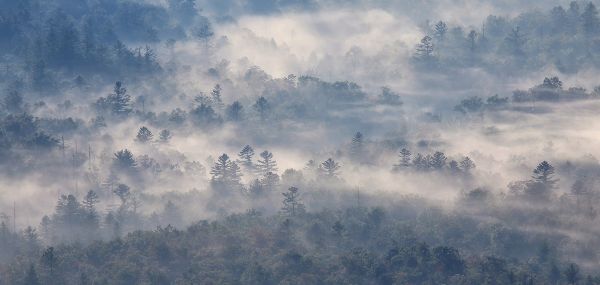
[{"x": 299, "y": 142}]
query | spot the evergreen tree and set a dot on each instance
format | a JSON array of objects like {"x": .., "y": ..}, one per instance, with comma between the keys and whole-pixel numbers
[
  {"x": 270, "y": 181},
  {"x": 420, "y": 162},
  {"x": 544, "y": 175},
  {"x": 357, "y": 146},
  {"x": 225, "y": 171},
  {"x": 438, "y": 160},
  {"x": 440, "y": 30},
  {"x": 425, "y": 49},
  {"x": 124, "y": 160},
  {"x": 119, "y": 101},
  {"x": 266, "y": 164},
  {"x": 552, "y": 83},
  {"x": 144, "y": 135},
  {"x": 31, "y": 278},
  {"x": 292, "y": 204},
  {"x": 262, "y": 107},
  {"x": 235, "y": 111},
  {"x": 49, "y": 259},
  {"x": 590, "y": 20},
  {"x": 516, "y": 42},
  {"x": 330, "y": 168},
  {"x": 205, "y": 115},
  {"x": 404, "y": 159},
  {"x": 90, "y": 201},
  {"x": 123, "y": 192},
  {"x": 165, "y": 136},
  {"x": 216, "y": 97},
  {"x": 472, "y": 38},
  {"x": 245, "y": 158},
  {"x": 467, "y": 164}
]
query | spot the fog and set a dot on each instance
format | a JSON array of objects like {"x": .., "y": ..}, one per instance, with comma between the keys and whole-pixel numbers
[{"x": 493, "y": 104}]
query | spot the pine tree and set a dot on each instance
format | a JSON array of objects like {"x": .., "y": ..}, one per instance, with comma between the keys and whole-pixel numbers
[
  {"x": 357, "y": 146},
  {"x": 165, "y": 136},
  {"x": 420, "y": 163},
  {"x": 590, "y": 20},
  {"x": 216, "y": 97},
  {"x": 49, "y": 259},
  {"x": 226, "y": 171},
  {"x": 438, "y": 160},
  {"x": 234, "y": 111},
  {"x": 472, "y": 37},
  {"x": 123, "y": 192},
  {"x": 404, "y": 159},
  {"x": 245, "y": 158},
  {"x": 144, "y": 135},
  {"x": 270, "y": 181},
  {"x": 425, "y": 49},
  {"x": 90, "y": 201},
  {"x": 516, "y": 42},
  {"x": 124, "y": 160},
  {"x": 292, "y": 204},
  {"x": 440, "y": 30},
  {"x": 543, "y": 174},
  {"x": 219, "y": 170},
  {"x": 330, "y": 168},
  {"x": 467, "y": 165},
  {"x": 266, "y": 164},
  {"x": 119, "y": 101},
  {"x": 262, "y": 107}
]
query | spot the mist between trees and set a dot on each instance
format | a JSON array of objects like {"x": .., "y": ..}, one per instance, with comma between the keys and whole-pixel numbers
[{"x": 265, "y": 142}]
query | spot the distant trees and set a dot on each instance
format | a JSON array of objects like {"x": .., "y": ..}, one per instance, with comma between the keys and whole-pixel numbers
[
  {"x": 292, "y": 204},
  {"x": 235, "y": 111},
  {"x": 262, "y": 107},
  {"x": 205, "y": 115},
  {"x": 544, "y": 175},
  {"x": 438, "y": 161},
  {"x": 539, "y": 188},
  {"x": 165, "y": 136},
  {"x": 357, "y": 146},
  {"x": 405, "y": 159},
  {"x": 424, "y": 50},
  {"x": 266, "y": 163},
  {"x": 389, "y": 97},
  {"x": 124, "y": 160},
  {"x": 117, "y": 103},
  {"x": 330, "y": 169},
  {"x": 440, "y": 30},
  {"x": 226, "y": 172},
  {"x": 590, "y": 20},
  {"x": 144, "y": 135},
  {"x": 217, "y": 100},
  {"x": 477, "y": 104},
  {"x": 13, "y": 102},
  {"x": 245, "y": 158}
]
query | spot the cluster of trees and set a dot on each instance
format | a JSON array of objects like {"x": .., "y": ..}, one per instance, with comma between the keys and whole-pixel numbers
[
  {"x": 540, "y": 187},
  {"x": 437, "y": 161},
  {"x": 45, "y": 44},
  {"x": 354, "y": 246},
  {"x": 550, "y": 90},
  {"x": 566, "y": 37},
  {"x": 262, "y": 174}
]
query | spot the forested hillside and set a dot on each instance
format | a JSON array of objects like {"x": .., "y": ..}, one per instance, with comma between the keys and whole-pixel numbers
[{"x": 299, "y": 142}]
